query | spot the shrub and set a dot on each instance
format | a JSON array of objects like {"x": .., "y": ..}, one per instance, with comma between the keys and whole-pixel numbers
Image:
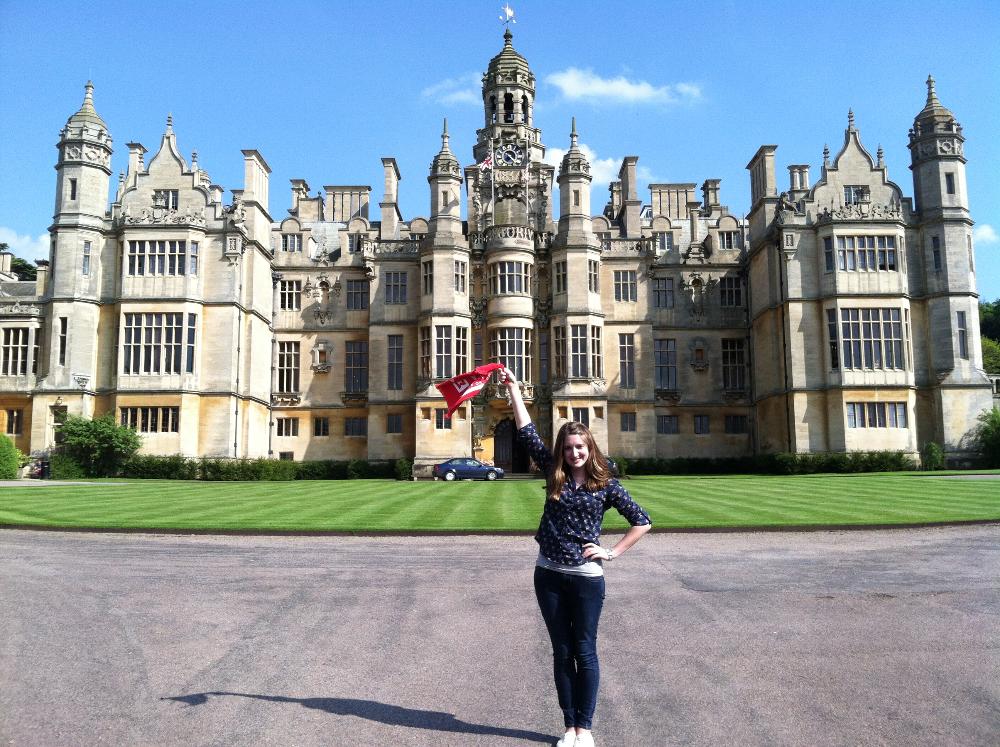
[
  {"x": 986, "y": 437},
  {"x": 100, "y": 446},
  {"x": 154, "y": 467},
  {"x": 316, "y": 470},
  {"x": 10, "y": 459},
  {"x": 404, "y": 469},
  {"x": 619, "y": 465},
  {"x": 358, "y": 469},
  {"x": 246, "y": 470},
  {"x": 64, "y": 467},
  {"x": 932, "y": 456}
]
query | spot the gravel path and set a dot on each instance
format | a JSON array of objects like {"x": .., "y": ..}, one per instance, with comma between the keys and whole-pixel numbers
[{"x": 822, "y": 638}]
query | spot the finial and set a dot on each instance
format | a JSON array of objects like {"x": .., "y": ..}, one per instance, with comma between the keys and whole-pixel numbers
[
  {"x": 88, "y": 97},
  {"x": 826, "y": 154},
  {"x": 170, "y": 124},
  {"x": 194, "y": 158},
  {"x": 850, "y": 119},
  {"x": 932, "y": 98},
  {"x": 507, "y": 36},
  {"x": 444, "y": 135},
  {"x": 879, "y": 154},
  {"x": 573, "y": 135}
]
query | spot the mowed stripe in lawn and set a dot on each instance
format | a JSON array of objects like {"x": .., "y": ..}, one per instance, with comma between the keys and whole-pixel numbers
[{"x": 384, "y": 505}]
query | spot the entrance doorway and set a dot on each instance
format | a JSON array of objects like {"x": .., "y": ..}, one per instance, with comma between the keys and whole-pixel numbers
[{"x": 508, "y": 452}]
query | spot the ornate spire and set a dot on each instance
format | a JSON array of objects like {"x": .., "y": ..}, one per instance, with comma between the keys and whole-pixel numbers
[
  {"x": 933, "y": 106},
  {"x": 444, "y": 137},
  {"x": 932, "y": 99},
  {"x": 574, "y": 162},
  {"x": 826, "y": 155},
  {"x": 850, "y": 119},
  {"x": 87, "y": 114},
  {"x": 170, "y": 124},
  {"x": 444, "y": 162},
  {"x": 880, "y": 155}
]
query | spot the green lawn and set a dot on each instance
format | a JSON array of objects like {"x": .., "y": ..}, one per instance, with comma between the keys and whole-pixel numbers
[{"x": 505, "y": 506}]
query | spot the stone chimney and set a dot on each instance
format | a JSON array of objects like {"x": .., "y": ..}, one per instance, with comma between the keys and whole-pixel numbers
[
  {"x": 762, "y": 179},
  {"x": 693, "y": 210},
  {"x": 390, "y": 209},
  {"x": 5, "y": 262},
  {"x": 631, "y": 204},
  {"x": 710, "y": 195},
  {"x": 42, "y": 276}
]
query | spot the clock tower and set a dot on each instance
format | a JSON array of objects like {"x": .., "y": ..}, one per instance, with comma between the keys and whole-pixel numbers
[{"x": 512, "y": 186}]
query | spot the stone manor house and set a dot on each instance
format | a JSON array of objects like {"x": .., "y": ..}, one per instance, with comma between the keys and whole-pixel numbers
[{"x": 839, "y": 315}]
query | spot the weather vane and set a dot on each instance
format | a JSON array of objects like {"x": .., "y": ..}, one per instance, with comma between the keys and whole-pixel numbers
[{"x": 507, "y": 15}]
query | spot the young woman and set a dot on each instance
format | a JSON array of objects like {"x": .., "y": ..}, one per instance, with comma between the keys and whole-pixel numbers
[{"x": 569, "y": 577}]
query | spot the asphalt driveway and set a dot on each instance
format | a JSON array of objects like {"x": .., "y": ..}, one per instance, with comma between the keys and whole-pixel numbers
[{"x": 825, "y": 638}]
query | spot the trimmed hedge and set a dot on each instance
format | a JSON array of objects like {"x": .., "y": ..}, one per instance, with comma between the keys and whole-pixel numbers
[
  {"x": 64, "y": 467},
  {"x": 10, "y": 459},
  {"x": 776, "y": 464},
  {"x": 218, "y": 469},
  {"x": 176, "y": 467}
]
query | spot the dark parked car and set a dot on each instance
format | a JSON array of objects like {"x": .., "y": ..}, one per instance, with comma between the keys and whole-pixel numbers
[{"x": 465, "y": 468}]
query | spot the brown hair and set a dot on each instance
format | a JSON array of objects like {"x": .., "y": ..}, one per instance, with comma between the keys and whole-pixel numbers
[{"x": 597, "y": 468}]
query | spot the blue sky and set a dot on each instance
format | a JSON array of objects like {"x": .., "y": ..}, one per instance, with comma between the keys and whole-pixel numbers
[{"x": 324, "y": 90}]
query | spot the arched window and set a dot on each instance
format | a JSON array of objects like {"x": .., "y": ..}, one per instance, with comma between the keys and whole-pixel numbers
[
  {"x": 493, "y": 108},
  {"x": 524, "y": 109},
  {"x": 508, "y": 107}
]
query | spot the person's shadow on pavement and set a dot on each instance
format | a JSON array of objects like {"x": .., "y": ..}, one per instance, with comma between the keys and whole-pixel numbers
[{"x": 383, "y": 713}]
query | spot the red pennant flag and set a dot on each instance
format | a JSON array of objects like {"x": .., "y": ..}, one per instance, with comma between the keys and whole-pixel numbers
[{"x": 466, "y": 386}]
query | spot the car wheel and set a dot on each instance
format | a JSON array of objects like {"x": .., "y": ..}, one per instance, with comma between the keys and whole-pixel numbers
[
  {"x": 491, "y": 475},
  {"x": 449, "y": 476}
]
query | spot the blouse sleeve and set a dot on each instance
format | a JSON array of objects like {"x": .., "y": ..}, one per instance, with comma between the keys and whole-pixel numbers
[
  {"x": 618, "y": 497},
  {"x": 536, "y": 447}
]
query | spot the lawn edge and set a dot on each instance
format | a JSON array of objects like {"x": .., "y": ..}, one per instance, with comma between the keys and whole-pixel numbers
[{"x": 755, "y": 529}]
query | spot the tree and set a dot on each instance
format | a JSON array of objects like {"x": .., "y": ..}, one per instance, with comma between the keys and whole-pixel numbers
[
  {"x": 989, "y": 319},
  {"x": 99, "y": 446},
  {"x": 23, "y": 269},
  {"x": 986, "y": 437},
  {"x": 991, "y": 355},
  {"x": 11, "y": 459}
]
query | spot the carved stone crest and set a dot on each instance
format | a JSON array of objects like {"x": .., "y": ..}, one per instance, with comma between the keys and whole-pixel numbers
[{"x": 478, "y": 308}]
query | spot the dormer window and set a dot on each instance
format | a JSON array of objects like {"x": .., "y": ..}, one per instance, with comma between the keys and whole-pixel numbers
[
  {"x": 291, "y": 242},
  {"x": 855, "y": 194},
  {"x": 166, "y": 198},
  {"x": 729, "y": 240}
]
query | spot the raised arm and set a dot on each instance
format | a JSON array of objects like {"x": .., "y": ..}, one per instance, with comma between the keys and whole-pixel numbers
[
  {"x": 539, "y": 452},
  {"x": 521, "y": 416}
]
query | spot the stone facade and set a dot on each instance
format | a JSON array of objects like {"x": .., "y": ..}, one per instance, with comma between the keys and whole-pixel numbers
[{"x": 674, "y": 327}]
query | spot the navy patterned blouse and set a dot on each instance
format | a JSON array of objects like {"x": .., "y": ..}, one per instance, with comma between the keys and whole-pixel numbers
[{"x": 575, "y": 519}]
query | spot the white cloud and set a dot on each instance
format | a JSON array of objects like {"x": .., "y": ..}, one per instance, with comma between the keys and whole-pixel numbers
[
  {"x": 462, "y": 90},
  {"x": 984, "y": 233},
  {"x": 585, "y": 85},
  {"x": 603, "y": 171},
  {"x": 25, "y": 247}
]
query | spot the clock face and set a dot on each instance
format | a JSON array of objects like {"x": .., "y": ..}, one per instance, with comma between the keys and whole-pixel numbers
[{"x": 510, "y": 154}]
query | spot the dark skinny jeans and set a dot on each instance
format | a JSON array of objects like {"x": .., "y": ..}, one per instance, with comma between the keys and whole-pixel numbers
[{"x": 571, "y": 607}]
